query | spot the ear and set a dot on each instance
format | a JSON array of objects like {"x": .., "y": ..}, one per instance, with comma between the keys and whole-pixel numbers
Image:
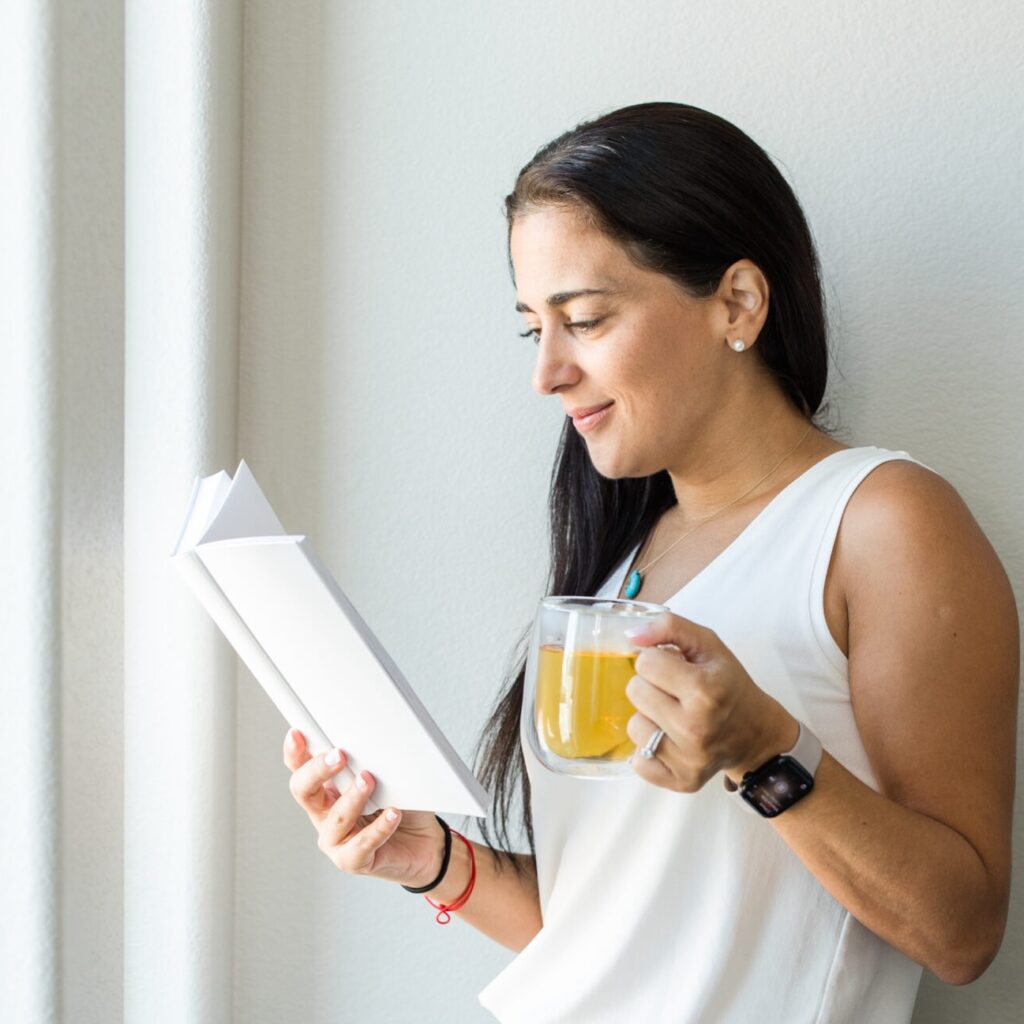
[{"x": 743, "y": 292}]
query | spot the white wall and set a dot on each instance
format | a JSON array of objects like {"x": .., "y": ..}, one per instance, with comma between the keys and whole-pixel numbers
[{"x": 385, "y": 397}]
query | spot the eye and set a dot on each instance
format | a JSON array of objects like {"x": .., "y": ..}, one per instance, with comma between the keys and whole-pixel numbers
[{"x": 581, "y": 325}]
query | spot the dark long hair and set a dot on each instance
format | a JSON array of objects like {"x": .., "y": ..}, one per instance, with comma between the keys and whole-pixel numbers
[{"x": 687, "y": 194}]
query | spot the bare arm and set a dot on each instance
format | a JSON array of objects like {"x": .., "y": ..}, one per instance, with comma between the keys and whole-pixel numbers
[
  {"x": 934, "y": 667},
  {"x": 504, "y": 906}
]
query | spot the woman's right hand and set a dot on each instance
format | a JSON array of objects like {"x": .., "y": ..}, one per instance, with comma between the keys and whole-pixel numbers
[{"x": 406, "y": 850}]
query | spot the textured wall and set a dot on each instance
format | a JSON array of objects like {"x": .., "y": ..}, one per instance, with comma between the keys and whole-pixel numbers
[{"x": 385, "y": 397}]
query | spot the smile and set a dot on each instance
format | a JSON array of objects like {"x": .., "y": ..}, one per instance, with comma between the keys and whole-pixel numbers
[{"x": 584, "y": 423}]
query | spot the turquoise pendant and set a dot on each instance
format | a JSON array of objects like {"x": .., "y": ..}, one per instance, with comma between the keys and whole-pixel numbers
[{"x": 633, "y": 587}]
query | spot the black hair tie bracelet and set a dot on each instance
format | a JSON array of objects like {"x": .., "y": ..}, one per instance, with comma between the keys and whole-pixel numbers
[{"x": 444, "y": 860}]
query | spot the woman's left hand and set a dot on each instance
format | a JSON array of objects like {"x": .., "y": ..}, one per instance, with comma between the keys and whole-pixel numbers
[{"x": 714, "y": 716}]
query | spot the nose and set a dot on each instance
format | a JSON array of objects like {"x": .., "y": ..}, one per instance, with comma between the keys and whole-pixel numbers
[{"x": 554, "y": 367}]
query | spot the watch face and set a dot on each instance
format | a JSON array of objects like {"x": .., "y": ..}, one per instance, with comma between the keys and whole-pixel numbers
[{"x": 776, "y": 785}]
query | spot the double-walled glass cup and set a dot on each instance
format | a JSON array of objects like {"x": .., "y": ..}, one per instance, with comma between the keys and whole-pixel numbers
[{"x": 575, "y": 707}]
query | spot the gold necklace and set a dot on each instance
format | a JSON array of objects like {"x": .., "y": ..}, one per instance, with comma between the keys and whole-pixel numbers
[{"x": 636, "y": 578}]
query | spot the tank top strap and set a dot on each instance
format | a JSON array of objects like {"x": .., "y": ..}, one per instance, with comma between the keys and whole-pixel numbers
[{"x": 832, "y": 498}]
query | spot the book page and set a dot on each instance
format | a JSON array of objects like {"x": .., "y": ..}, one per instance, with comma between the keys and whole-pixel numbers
[
  {"x": 208, "y": 494},
  {"x": 245, "y": 512}
]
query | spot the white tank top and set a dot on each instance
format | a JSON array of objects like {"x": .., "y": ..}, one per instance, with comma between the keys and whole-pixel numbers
[{"x": 687, "y": 908}]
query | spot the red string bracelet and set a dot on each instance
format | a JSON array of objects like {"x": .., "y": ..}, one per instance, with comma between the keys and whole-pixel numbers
[{"x": 443, "y": 916}]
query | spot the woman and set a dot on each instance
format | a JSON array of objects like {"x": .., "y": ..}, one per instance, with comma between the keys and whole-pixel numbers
[{"x": 837, "y": 604}]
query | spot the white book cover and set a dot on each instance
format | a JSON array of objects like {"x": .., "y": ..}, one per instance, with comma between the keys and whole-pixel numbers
[{"x": 308, "y": 647}]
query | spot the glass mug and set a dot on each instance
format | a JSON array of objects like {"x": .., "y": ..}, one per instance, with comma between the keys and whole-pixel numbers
[{"x": 575, "y": 707}]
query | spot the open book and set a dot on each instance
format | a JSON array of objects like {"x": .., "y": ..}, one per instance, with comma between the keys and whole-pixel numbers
[{"x": 309, "y": 649}]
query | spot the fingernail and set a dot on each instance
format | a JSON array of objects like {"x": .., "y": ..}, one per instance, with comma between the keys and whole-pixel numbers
[
  {"x": 361, "y": 782},
  {"x": 637, "y": 631},
  {"x": 391, "y": 815},
  {"x": 333, "y": 757}
]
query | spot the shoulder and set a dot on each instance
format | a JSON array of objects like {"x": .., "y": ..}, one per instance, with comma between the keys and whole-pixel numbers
[
  {"x": 901, "y": 487},
  {"x": 933, "y": 625},
  {"x": 905, "y": 522}
]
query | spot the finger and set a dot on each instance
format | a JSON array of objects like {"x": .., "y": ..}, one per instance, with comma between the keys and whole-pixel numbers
[
  {"x": 359, "y": 854},
  {"x": 656, "y": 769},
  {"x": 669, "y": 767},
  {"x": 639, "y": 728},
  {"x": 346, "y": 813},
  {"x": 661, "y": 707},
  {"x": 695, "y": 642},
  {"x": 296, "y": 752},
  {"x": 668, "y": 670},
  {"x": 688, "y": 712},
  {"x": 308, "y": 781},
  {"x": 655, "y": 710}
]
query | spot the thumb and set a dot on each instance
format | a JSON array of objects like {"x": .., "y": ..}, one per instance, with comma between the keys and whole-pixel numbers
[{"x": 692, "y": 640}]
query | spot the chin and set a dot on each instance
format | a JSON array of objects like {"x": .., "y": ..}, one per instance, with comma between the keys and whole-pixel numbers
[{"x": 616, "y": 469}]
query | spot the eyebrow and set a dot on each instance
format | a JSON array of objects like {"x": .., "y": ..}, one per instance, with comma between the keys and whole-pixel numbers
[{"x": 561, "y": 298}]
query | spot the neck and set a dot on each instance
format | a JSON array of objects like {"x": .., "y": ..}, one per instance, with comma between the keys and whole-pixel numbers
[{"x": 736, "y": 449}]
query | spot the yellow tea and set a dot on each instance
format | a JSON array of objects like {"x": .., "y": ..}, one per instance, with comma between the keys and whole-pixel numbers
[{"x": 582, "y": 708}]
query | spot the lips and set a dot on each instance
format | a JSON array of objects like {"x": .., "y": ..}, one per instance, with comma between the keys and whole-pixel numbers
[
  {"x": 593, "y": 419},
  {"x": 578, "y": 414}
]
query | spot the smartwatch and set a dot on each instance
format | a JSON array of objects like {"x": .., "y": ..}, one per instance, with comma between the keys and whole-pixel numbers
[{"x": 786, "y": 778}]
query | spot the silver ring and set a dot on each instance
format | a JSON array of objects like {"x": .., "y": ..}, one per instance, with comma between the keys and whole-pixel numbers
[{"x": 650, "y": 748}]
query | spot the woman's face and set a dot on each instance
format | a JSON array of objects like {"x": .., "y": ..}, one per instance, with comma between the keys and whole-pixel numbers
[{"x": 640, "y": 343}]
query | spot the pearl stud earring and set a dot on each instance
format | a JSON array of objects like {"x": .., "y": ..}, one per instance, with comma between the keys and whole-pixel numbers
[{"x": 739, "y": 344}]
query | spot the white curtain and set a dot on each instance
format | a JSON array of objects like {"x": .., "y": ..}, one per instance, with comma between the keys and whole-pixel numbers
[{"x": 119, "y": 294}]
